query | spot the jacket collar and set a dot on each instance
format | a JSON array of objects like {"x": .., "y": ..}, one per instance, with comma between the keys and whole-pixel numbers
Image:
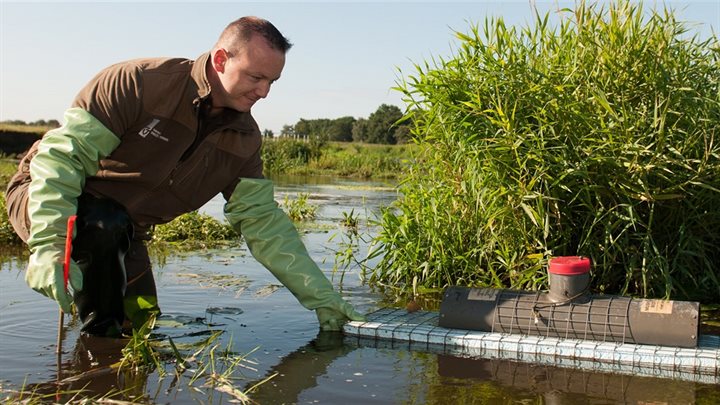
[
  {"x": 231, "y": 118},
  {"x": 199, "y": 75}
]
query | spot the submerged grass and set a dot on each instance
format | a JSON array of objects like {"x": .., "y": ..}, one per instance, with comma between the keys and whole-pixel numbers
[
  {"x": 596, "y": 137},
  {"x": 204, "y": 367}
]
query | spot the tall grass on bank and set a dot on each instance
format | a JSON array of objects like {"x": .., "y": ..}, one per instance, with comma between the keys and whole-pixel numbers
[
  {"x": 597, "y": 137},
  {"x": 283, "y": 155},
  {"x": 363, "y": 160},
  {"x": 8, "y": 167},
  {"x": 8, "y": 237},
  {"x": 289, "y": 156}
]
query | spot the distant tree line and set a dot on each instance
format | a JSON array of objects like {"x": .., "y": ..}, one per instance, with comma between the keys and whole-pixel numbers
[
  {"x": 39, "y": 123},
  {"x": 380, "y": 127}
]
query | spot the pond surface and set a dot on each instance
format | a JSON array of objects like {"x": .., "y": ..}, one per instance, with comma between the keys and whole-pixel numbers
[{"x": 226, "y": 290}]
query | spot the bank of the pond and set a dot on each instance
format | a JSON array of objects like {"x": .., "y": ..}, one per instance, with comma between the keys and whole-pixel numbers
[{"x": 284, "y": 156}]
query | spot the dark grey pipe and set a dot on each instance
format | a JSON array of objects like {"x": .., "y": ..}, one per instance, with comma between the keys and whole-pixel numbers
[{"x": 594, "y": 317}]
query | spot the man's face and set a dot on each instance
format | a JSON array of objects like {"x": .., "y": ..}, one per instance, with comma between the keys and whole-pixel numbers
[{"x": 246, "y": 76}]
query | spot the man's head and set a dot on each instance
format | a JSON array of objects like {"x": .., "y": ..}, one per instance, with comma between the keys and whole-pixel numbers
[{"x": 247, "y": 58}]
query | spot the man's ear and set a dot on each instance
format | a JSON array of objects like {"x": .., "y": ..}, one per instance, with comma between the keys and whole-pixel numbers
[{"x": 219, "y": 58}]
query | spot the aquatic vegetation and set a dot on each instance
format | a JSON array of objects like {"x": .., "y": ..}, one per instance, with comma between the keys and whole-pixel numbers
[
  {"x": 235, "y": 283},
  {"x": 139, "y": 355},
  {"x": 351, "y": 243},
  {"x": 350, "y": 221},
  {"x": 595, "y": 137},
  {"x": 31, "y": 395},
  {"x": 194, "y": 226},
  {"x": 299, "y": 209},
  {"x": 208, "y": 365}
]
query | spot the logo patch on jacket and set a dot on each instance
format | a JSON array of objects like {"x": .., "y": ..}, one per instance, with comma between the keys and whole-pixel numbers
[{"x": 149, "y": 129}]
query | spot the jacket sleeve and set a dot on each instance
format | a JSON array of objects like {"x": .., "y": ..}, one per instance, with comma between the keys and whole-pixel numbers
[{"x": 65, "y": 157}]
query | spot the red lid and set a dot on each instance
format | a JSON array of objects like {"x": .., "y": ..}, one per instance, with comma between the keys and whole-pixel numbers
[{"x": 569, "y": 265}]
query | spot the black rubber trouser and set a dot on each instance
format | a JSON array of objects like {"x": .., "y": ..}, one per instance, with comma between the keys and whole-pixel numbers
[{"x": 104, "y": 232}]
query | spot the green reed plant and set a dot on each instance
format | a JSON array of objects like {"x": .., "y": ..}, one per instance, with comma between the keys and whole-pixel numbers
[
  {"x": 350, "y": 221},
  {"x": 353, "y": 244},
  {"x": 594, "y": 136},
  {"x": 139, "y": 355}
]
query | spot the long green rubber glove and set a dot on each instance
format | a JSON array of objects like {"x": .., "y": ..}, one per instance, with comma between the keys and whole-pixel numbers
[
  {"x": 274, "y": 242},
  {"x": 65, "y": 157}
]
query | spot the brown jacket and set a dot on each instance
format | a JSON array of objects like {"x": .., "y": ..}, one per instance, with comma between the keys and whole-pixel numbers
[{"x": 172, "y": 159}]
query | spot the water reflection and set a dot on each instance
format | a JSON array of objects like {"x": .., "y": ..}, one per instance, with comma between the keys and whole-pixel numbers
[
  {"x": 90, "y": 371},
  {"x": 301, "y": 370},
  {"x": 563, "y": 385}
]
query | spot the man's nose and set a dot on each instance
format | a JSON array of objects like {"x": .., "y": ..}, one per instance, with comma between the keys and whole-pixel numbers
[{"x": 262, "y": 90}]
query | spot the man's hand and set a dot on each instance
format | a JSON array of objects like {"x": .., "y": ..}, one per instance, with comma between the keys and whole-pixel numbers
[
  {"x": 333, "y": 319},
  {"x": 45, "y": 275}
]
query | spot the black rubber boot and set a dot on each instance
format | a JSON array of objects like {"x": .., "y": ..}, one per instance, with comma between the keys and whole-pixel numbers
[{"x": 104, "y": 232}]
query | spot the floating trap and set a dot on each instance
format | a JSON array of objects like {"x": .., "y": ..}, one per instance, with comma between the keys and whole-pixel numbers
[
  {"x": 568, "y": 311},
  {"x": 565, "y": 326}
]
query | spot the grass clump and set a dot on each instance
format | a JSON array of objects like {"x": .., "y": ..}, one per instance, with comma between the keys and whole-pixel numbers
[
  {"x": 597, "y": 136},
  {"x": 194, "y": 227},
  {"x": 208, "y": 366},
  {"x": 300, "y": 209}
]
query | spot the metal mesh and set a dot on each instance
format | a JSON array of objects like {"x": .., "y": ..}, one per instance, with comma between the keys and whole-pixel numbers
[{"x": 602, "y": 318}]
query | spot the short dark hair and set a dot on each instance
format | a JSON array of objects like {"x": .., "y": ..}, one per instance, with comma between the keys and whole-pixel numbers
[{"x": 243, "y": 29}]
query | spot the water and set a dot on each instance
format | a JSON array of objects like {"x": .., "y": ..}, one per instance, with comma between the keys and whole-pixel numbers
[{"x": 227, "y": 290}]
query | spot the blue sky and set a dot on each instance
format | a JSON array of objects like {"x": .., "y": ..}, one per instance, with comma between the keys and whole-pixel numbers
[{"x": 345, "y": 59}]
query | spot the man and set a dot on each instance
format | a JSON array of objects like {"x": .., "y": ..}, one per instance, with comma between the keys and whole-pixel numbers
[{"x": 144, "y": 142}]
